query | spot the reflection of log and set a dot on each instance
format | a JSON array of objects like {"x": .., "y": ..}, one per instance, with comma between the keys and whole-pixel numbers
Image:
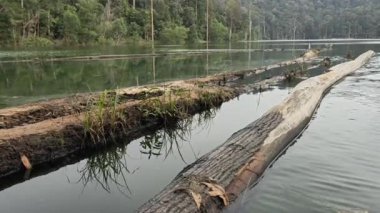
[{"x": 221, "y": 175}]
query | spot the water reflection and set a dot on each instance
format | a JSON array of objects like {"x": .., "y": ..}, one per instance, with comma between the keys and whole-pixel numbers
[
  {"x": 166, "y": 141},
  {"x": 109, "y": 168}
]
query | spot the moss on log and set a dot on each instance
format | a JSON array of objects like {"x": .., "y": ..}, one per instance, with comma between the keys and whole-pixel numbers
[{"x": 217, "y": 178}]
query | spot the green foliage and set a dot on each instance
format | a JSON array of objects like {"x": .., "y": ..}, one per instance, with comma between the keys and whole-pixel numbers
[
  {"x": 116, "y": 21},
  {"x": 174, "y": 34},
  {"x": 137, "y": 22},
  {"x": 5, "y": 28},
  {"x": 103, "y": 119},
  {"x": 218, "y": 32},
  {"x": 71, "y": 25},
  {"x": 192, "y": 36},
  {"x": 37, "y": 42}
]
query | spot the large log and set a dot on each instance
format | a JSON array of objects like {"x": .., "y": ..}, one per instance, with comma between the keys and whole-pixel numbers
[
  {"x": 40, "y": 111},
  {"x": 48, "y": 131},
  {"x": 217, "y": 178}
]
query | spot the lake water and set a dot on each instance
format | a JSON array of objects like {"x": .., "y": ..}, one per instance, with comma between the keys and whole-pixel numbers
[{"x": 331, "y": 168}]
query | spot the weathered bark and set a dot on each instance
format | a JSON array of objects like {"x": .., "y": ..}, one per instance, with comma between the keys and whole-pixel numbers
[{"x": 221, "y": 175}]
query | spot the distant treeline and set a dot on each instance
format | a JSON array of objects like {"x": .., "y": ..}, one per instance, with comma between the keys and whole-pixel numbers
[{"x": 86, "y": 22}]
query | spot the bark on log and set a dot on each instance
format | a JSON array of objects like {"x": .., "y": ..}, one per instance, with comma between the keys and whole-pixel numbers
[{"x": 217, "y": 178}]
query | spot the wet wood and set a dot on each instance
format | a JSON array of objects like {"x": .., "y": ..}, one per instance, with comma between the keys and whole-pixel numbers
[{"x": 241, "y": 160}]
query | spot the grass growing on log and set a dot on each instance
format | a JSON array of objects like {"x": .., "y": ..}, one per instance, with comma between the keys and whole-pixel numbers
[
  {"x": 293, "y": 72},
  {"x": 212, "y": 99},
  {"x": 177, "y": 105},
  {"x": 103, "y": 119},
  {"x": 172, "y": 106}
]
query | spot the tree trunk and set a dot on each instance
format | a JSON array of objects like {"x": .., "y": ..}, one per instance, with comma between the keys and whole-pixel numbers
[
  {"x": 264, "y": 28},
  {"x": 207, "y": 27},
  {"x": 230, "y": 38},
  {"x": 294, "y": 29},
  {"x": 152, "y": 23},
  {"x": 250, "y": 24},
  {"x": 196, "y": 12},
  {"x": 217, "y": 178},
  {"x": 48, "y": 23}
]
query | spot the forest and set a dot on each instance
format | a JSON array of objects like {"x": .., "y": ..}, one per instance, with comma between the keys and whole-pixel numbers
[{"x": 115, "y": 22}]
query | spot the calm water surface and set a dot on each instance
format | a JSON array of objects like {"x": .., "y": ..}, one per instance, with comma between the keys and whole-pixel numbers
[{"x": 332, "y": 167}]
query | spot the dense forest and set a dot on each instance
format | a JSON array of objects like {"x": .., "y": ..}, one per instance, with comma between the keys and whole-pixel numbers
[{"x": 86, "y": 22}]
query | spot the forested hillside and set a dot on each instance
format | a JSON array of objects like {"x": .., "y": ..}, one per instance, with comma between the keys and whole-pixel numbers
[{"x": 44, "y": 22}]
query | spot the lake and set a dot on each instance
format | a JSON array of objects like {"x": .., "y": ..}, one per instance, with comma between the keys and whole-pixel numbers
[{"x": 332, "y": 167}]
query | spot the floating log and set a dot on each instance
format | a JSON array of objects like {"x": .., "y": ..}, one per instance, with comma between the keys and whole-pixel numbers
[
  {"x": 44, "y": 110},
  {"x": 219, "y": 177},
  {"x": 50, "y": 130}
]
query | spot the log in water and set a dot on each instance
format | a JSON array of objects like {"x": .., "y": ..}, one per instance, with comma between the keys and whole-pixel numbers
[
  {"x": 50, "y": 130},
  {"x": 217, "y": 178}
]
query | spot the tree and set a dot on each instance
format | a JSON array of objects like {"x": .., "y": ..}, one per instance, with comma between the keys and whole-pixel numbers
[
  {"x": 233, "y": 15},
  {"x": 91, "y": 21},
  {"x": 71, "y": 25},
  {"x": 174, "y": 34},
  {"x": 5, "y": 28},
  {"x": 218, "y": 32},
  {"x": 89, "y": 13}
]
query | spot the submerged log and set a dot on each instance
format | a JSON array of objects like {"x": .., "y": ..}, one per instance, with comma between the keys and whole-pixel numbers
[{"x": 219, "y": 177}]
